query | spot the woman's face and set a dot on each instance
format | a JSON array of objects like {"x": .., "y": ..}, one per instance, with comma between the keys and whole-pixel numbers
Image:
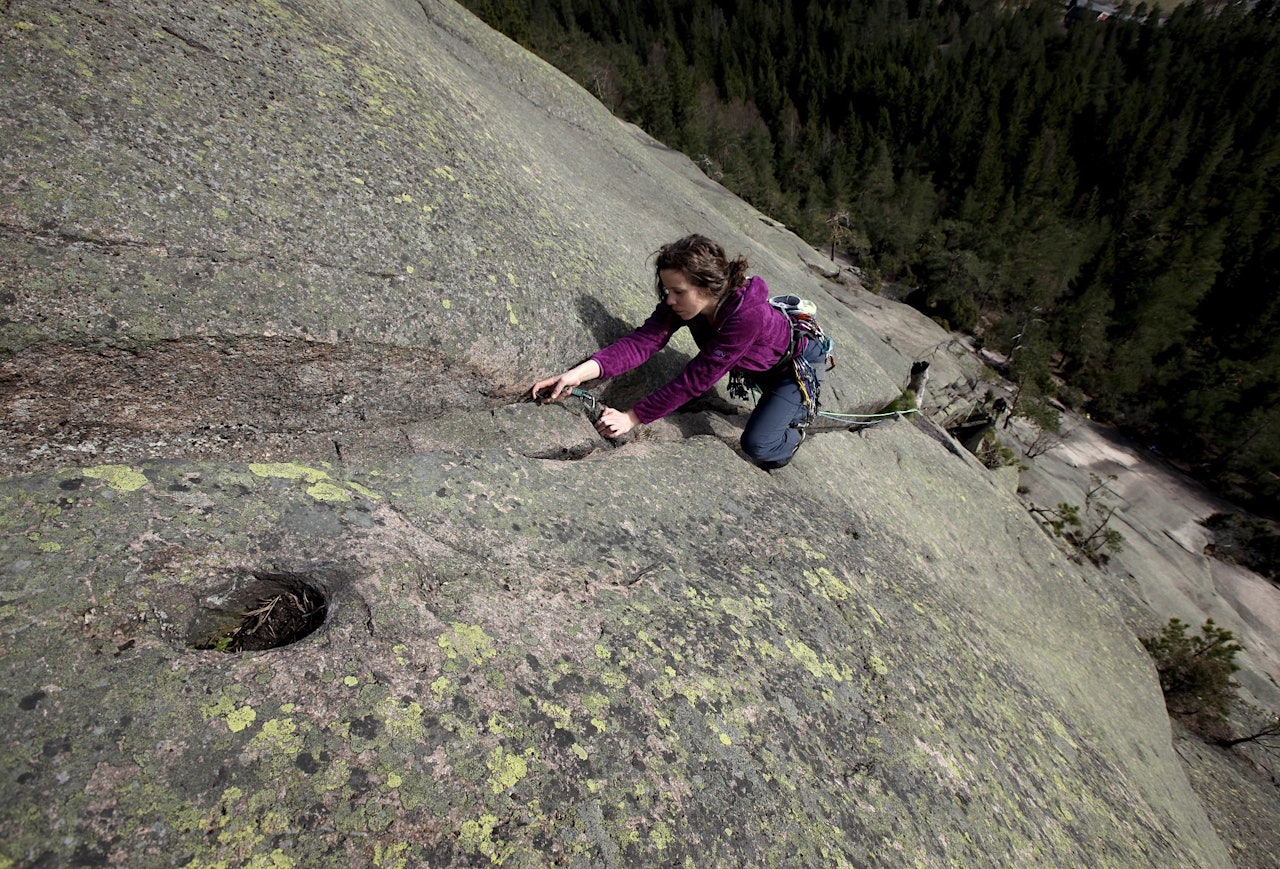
[{"x": 686, "y": 298}]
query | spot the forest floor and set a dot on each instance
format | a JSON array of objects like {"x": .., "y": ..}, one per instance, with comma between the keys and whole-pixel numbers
[{"x": 1160, "y": 572}]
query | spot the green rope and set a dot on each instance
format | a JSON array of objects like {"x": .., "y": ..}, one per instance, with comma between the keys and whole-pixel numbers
[{"x": 858, "y": 417}]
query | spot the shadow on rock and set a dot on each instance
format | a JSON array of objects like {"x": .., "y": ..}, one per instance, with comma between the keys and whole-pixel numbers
[{"x": 627, "y": 389}]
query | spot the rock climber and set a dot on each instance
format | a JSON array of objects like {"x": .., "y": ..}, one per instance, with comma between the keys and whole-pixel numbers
[{"x": 737, "y": 329}]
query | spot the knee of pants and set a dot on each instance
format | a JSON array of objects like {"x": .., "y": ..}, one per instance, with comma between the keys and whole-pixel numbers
[
  {"x": 753, "y": 447},
  {"x": 764, "y": 444}
]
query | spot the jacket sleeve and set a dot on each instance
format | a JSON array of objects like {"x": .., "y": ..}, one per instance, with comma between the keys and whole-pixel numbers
[
  {"x": 627, "y": 352},
  {"x": 721, "y": 351}
]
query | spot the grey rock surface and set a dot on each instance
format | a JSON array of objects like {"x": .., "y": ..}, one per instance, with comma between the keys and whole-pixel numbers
[{"x": 275, "y": 275}]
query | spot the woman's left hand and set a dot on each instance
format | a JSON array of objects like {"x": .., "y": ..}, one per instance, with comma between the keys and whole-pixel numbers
[{"x": 616, "y": 423}]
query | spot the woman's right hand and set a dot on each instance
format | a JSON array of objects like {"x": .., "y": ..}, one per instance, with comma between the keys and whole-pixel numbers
[{"x": 556, "y": 388}]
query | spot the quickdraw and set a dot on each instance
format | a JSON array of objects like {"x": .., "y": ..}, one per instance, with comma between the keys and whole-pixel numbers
[{"x": 588, "y": 398}]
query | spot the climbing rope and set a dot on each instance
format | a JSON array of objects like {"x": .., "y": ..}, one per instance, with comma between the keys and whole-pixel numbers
[
  {"x": 861, "y": 418},
  {"x": 743, "y": 389}
]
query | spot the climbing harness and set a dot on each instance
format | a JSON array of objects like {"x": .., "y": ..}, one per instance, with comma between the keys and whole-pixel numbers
[{"x": 804, "y": 332}]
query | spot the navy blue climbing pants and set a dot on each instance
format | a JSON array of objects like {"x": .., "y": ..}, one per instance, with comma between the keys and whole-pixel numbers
[{"x": 769, "y": 438}]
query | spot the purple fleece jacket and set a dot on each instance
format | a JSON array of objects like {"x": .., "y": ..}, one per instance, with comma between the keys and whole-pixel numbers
[{"x": 750, "y": 335}]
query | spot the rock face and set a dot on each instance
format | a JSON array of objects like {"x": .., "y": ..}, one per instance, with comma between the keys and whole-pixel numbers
[{"x": 274, "y": 275}]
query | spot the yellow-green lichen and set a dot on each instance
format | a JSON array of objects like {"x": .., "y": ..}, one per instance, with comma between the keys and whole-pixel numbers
[
  {"x": 363, "y": 490},
  {"x": 390, "y": 857},
  {"x": 505, "y": 770},
  {"x": 442, "y": 689},
  {"x": 811, "y": 661},
  {"x": 280, "y": 736},
  {"x": 237, "y": 718},
  {"x": 804, "y": 547},
  {"x": 322, "y": 487},
  {"x": 644, "y": 637},
  {"x": 477, "y": 837},
  {"x": 122, "y": 478},
  {"x": 595, "y": 703},
  {"x": 739, "y": 609},
  {"x": 827, "y": 584},
  {"x": 766, "y": 650},
  {"x": 288, "y": 471},
  {"x": 241, "y": 718},
  {"x": 661, "y": 837},
  {"x": 334, "y": 775},
  {"x": 277, "y": 859},
  {"x": 467, "y": 641},
  {"x": 328, "y": 492},
  {"x": 221, "y": 707},
  {"x": 560, "y": 716},
  {"x": 403, "y": 720}
]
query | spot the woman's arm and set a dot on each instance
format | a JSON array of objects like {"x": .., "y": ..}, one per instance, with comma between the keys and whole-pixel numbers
[
  {"x": 720, "y": 351},
  {"x": 556, "y": 388},
  {"x": 612, "y": 423},
  {"x": 640, "y": 345},
  {"x": 617, "y": 358}
]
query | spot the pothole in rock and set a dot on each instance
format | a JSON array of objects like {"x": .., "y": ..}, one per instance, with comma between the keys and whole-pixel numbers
[{"x": 270, "y": 611}]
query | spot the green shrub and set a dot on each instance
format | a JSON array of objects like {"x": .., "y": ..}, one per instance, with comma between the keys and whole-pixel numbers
[
  {"x": 1195, "y": 674},
  {"x": 1072, "y": 396},
  {"x": 1087, "y": 529},
  {"x": 1044, "y": 416},
  {"x": 993, "y": 454}
]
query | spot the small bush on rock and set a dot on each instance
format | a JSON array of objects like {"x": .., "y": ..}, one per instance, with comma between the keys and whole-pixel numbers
[
  {"x": 1087, "y": 529},
  {"x": 994, "y": 454},
  {"x": 1195, "y": 674}
]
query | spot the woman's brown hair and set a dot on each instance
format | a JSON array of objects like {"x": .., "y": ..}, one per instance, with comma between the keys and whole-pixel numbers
[{"x": 704, "y": 262}]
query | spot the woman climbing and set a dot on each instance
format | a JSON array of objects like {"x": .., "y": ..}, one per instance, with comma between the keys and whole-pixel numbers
[{"x": 736, "y": 329}]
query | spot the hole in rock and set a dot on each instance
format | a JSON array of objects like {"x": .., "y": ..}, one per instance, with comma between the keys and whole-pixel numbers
[{"x": 271, "y": 611}]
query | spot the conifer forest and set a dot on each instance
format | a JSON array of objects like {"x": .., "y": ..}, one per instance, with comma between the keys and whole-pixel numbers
[{"x": 1095, "y": 196}]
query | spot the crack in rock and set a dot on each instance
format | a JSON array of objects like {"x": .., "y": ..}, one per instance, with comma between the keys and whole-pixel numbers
[{"x": 221, "y": 399}]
